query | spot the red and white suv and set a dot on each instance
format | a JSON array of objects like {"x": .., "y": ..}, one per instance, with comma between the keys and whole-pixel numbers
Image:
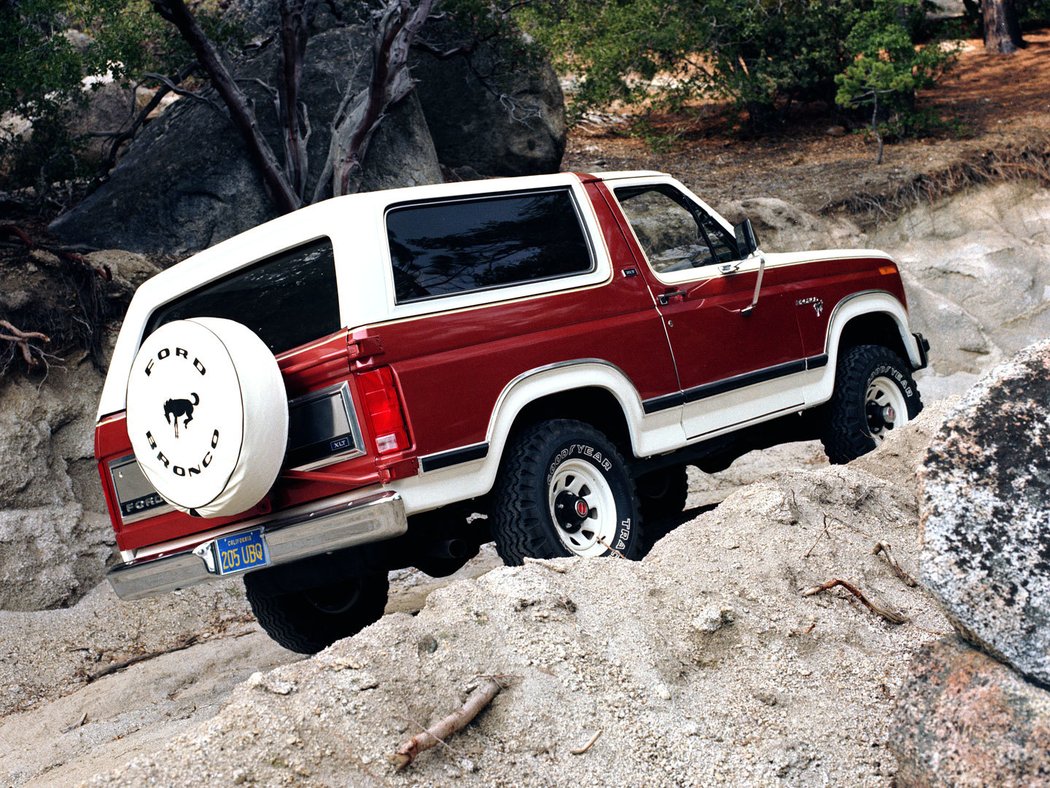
[{"x": 341, "y": 391}]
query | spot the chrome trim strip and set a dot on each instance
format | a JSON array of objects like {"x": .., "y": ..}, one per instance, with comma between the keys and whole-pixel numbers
[
  {"x": 290, "y": 538},
  {"x": 114, "y": 467},
  {"x": 732, "y": 383},
  {"x": 444, "y": 459},
  {"x": 343, "y": 390}
]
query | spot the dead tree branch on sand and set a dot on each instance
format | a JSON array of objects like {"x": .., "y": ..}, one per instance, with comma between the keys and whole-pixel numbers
[
  {"x": 889, "y": 615},
  {"x": 109, "y": 670},
  {"x": 884, "y": 548},
  {"x": 457, "y": 720}
]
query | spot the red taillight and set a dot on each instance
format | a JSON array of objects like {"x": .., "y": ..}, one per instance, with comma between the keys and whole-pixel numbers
[{"x": 382, "y": 406}]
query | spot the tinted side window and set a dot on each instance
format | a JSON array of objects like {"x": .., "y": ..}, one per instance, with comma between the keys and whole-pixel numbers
[
  {"x": 674, "y": 232},
  {"x": 442, "y": 248},
  {"x": 288, "y": 299}
]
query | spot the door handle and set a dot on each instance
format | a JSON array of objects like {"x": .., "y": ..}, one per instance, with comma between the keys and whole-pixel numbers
[{"x": 665, "y": 297}]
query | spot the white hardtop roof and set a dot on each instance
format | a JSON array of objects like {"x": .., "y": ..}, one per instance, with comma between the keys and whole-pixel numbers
[
  {"x": 620, "y": 175},
  {"x": 349, "y": 221}
]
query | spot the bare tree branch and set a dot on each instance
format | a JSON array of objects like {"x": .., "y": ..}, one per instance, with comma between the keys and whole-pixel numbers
[
  {"x": 238, "y": 105},
  {"x": 884, "y": 548},
  {"x": 168, "y": 85},
  {"x": 21, "y": 341},
  {"x": 457, "y": 720},
  {"x": 289, "y": 109},
  {"x": 890, "y": 615},
  {"x": 390, "y": 82}
]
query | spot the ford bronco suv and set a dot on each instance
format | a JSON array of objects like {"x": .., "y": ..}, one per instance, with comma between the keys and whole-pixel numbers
[{"x": 391, "y": 379}]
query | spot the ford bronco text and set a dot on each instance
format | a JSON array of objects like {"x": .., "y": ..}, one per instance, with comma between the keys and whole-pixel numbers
[{"x": 390, "y": 379}]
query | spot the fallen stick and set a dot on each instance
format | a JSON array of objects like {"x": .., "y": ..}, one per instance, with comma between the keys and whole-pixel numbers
[
  {"x": 588, "y": 745},
  {"x": 546, "y": 565},
  {"x": 889, "y": 615},
  {"x": 127, "y": 663},
  {"x": 610, "y": 548},
  {"x": 457, "y": 720},
  {"x": 882, "y": 547}
]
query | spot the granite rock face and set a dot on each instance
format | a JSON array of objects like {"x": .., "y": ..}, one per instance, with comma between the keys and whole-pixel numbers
[
  {"x": 985, "y": 508},
  {"x": 188, "y": 181},
  {"x": 963, "y": 718},
  {"x": 55, "y": 537},
  {"x": 495, "y": 112}
]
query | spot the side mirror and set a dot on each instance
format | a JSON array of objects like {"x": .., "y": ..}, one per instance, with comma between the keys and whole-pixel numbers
[{"x": 746, "y": 243}]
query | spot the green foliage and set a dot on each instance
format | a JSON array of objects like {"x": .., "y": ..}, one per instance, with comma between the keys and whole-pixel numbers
[
  {"x": 887, "y": 67},
  {"x": 760, "y": 54},
  {"x": 49, "y": 50},
  {"x": 42, "y": 67}
]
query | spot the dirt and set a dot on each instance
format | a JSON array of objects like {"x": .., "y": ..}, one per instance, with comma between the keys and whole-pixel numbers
[{"x": 815, "y": 163}]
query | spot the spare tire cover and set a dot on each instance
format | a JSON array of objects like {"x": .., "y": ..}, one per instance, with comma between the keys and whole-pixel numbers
[{"x": 207, "y": 415}]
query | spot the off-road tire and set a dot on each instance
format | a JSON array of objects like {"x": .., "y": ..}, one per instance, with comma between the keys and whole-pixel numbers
[
  {"x": 299, "y": 622},
  {"x": 663, "y": 493},
  {"x": 847, "y": 434},
  {"x": 536, "y": 462}
]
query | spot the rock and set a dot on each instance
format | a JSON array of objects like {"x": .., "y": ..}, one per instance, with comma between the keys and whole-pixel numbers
[
  {"x": 187, "y": 182},
  {"x": 985, "y": 498},
  {"x": 835, "y": 131},
  {"x": 793, "y": 691},
  {"x": 55, "y": 535},
  {"x": 782, "y": 227},
  {"x": 982, "y": 259},
  {"x": 129, "y": 270},
  {"x": 959, "y": 341},
  {"x": 965, "y": 719},
  {"x": 499, "y": 114},
  {"x": 107, "y": 107}
]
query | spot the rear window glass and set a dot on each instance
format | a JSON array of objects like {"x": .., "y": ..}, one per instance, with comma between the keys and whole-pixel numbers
[
  {"x": 287, "y": 300},
  {"x": 443, "y": 248}
]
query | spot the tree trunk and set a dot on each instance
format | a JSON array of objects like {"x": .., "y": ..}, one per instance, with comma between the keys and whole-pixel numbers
[
  {"x": 294, "y": 121},
  {"x": 1002, "y": 30},
  {"x": 359, "y": 116},
  {"x": 238, "y": 105}
]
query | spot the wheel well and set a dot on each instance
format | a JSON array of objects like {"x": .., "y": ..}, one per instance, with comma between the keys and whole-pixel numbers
[
  {"x": 876, "y": 328},
  {"x": 592, "y": 405}
]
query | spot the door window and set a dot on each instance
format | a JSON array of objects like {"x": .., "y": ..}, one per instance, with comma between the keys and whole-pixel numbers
[{"x": 675, "y": 233}]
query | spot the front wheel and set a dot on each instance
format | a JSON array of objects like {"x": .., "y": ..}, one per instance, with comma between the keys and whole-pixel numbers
[
  {"x": 874, "y": 395},
  {"x": 565, "y": 490},
  {"x": 312, "y": 619}
]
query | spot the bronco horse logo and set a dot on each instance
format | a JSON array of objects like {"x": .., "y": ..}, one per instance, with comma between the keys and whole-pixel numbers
[{"x": 176, "y": 408}]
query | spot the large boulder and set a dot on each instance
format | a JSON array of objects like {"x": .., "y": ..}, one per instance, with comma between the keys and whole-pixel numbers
[
  {"x": 495, "y": 111},
  {"x": 55, "y": 536},
  {"x": 985, "y": 499},
  {"x": 978, "y": 265},
  {"x": 783, "y": 227},
  {"x": 188, "y": 182},
  {"x": 963, "y": 718}
]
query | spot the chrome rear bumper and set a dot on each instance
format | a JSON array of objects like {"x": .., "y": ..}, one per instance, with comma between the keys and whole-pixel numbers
[{"x": 371, "y": 519}]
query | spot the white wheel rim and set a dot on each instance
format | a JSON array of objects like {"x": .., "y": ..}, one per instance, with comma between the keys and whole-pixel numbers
[
  {"x": 594, "y": 535},
  {"x": 885, "y": 407}
]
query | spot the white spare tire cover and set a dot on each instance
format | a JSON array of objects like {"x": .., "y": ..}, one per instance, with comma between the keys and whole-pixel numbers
[{"x": 207, "y": 415}]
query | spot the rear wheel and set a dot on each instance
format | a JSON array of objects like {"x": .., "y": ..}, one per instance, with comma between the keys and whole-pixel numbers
[
  {"x": 874, "y": 395},
  {"x": 565, "y": 490},
  {"x": 312, "y": 619},
  {"x": 663, "y": 493}
]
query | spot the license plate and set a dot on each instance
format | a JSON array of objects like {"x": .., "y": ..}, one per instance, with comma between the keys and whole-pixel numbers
[{"x": 240, "y": 552}]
